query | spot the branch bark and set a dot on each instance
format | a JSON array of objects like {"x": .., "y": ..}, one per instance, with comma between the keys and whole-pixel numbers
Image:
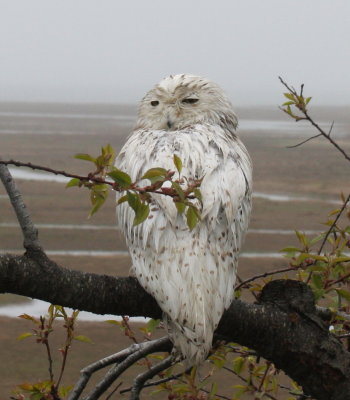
[
  {"x": 30, "y": 233},
  {"x": 283, "y": 327}
]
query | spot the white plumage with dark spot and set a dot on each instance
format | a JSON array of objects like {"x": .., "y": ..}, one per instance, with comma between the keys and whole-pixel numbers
[{"x": 191, "y": 274}]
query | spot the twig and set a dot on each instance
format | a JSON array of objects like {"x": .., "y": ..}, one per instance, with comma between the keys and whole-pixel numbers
[
  {"x": 141, "y": 350},
  {"x": 156, "y": 383},
  {"x": 114, "y": 390},
  {"x": 29, "y": 231},
  {"x": 304, "y": 141},
  {"x": 246, "y": 381},
  {"x": 303, "y": 110},
  {"x": 264, "y": 275},
  {"x": 330, "y": 129},
  {"x": 329, "y": 232},
  {"x": 268, "y": 365},
  {"x": 334, "y": 224},
  {"x": 142, "y": 378},
  {"x": 85, "y": 373},
  {"x": 91, "y": 178},
  {"x": 63, "y": 366},
  {"x": 335, "y": 144},
  {"x": 331, "y": 283},
  {"x": 47, "y": 346}
]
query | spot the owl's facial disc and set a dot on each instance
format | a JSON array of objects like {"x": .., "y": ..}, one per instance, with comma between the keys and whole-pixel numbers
[
  {"x": 169, "y": 111},
  {"x": 180, "y": 101}
]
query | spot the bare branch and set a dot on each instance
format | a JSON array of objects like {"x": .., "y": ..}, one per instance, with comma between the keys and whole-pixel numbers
[
  {"x": 142, "y": 378},
  {"x": 264, "y": 275},
  {"x": 142, "y": 350},
  {"x": 334, "y": 224},
  {"x": 330, "y": 129},
  {"x": 327, "y": 136},
  {"x": 85, "y": 373},
  {"x": 29, "y": 231},
  {"x": 156, "y": 383},
  {"x": 304, "y": 141},
  {"x": 301, "y": 105}
]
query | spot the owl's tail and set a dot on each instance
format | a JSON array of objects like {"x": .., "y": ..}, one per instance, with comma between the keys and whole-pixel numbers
[{"x": 193, "y": 347}]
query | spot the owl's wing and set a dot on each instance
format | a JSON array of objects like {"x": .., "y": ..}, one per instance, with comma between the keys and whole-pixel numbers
[{"x": 191, "y": 274}]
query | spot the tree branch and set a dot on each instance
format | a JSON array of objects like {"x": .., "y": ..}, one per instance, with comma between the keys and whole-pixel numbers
[
  {"x": 283, "y": 327},
  {"x": 85, "y": 373},
  {"x": 92, "y": 178},
  {"x": 140, "y": 351},
  {"x": 29, "y": 231},
  {"x": 347, "y": 200},
  {"x": 301, "y": 106},
  {"x": 149, "y": 374}
]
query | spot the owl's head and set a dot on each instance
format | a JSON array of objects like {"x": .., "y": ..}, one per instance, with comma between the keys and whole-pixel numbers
[{"x": 179, "y": 101}]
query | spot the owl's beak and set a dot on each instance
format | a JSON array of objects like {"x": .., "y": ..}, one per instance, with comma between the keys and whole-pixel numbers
[{"x": 169, "y": 123}]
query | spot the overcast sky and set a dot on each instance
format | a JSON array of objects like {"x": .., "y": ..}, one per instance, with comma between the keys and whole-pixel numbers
[{"x": 114, "y": 51}]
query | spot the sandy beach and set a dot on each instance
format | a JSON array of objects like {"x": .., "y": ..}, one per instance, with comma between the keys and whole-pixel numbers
[{"x": 295, "y": 189}]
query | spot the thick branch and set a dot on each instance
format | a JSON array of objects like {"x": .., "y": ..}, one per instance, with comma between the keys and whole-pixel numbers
[
  {"x": 283, "y": 327},
  {"x": 35, "y": 275},
  {"x": 30, "y": 233}
]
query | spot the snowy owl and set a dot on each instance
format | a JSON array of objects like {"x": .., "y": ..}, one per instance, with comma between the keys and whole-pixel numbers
[{"x": 191, "y": 274}]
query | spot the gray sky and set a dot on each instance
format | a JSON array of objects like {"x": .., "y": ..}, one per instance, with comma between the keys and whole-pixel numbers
[{"x": 114, "y": 51}]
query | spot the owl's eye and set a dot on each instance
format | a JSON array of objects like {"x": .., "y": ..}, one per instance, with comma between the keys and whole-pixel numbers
[
  {"x": 154, "y": 103},
  {"x": 190, "y": 100}
]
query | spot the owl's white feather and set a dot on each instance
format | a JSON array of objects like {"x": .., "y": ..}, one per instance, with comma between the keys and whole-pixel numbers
[{"x": 190, "y": 273}]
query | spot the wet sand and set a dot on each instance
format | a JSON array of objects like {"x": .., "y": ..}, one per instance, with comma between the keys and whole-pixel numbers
[{"x": 314, "y": 170}]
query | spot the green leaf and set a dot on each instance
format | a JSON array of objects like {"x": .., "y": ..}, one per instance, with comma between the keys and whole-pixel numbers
[
  {"x": 180, "y": 207},
  {"x": 85, "y": 157},
  {"x": 289, "y": 96},
  {"x": 120, "y": 177},
  {"x": 290, "y": 249},
  {"x": 122, "y": 199},
  {"x": 73, "y": 182},
  {"x": 178, "y": 163},
  {"x": 152, "y": 325},
  {"x": 178, "y": 190},
  {"x": 141, "y": 214},
  {"x": 64, "y": 390},
  {"x": 307, "y": 100},
  {"x": 98, "y": 196},
  {"x": 109, "y": 154},
  {"x": 133, "y": 200},
  {"x": 192, "y": 218},
  {"x": 36, "y": 396},
  {"x": 336, "y": 211},
  {"x": 24, "y": 335},
  {"x": 28, "y": 317},
  {"x": 317, "y": 238},
  {"x": 341, "y": 259},
  {"x": 198, "y": 195},
  {"x": 219, "y": 362},
  {"x": 198, "y": 214},
  {"x": 213, "y": 391},
  {"x": 113, "y": 322},
  {"x": 82, "y": 338},
  {"x": 28, "y": 387},
  {"x": 238, "y": 364},
  {"x": 302, "y": 238},
  {"x": 317, "y": 268},
  {"x": 343, "y": 293},
  {"x": 155, "y": 173}
]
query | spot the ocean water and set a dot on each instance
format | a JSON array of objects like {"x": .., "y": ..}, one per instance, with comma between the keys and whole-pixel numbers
[{"x": 65, "y": 123}]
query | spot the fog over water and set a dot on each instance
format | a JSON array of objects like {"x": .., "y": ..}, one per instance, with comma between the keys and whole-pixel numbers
[{"x": 113, "y": 51}]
